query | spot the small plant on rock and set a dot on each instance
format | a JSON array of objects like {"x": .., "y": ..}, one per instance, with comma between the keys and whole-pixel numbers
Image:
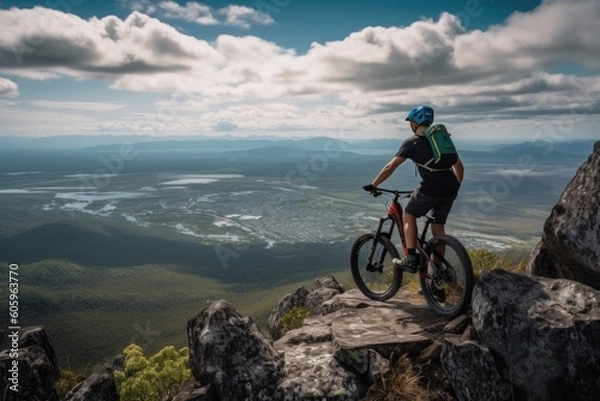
[{"x": 294, "y": 318}]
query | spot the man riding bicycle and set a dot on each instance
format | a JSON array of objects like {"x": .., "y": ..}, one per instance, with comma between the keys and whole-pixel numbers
[{"x": 440, "y": 182}]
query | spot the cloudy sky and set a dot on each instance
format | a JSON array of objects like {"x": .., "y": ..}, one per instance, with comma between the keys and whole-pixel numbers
[{"x": 492, "y": 69}]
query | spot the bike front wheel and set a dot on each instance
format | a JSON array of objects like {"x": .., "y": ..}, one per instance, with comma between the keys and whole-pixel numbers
[
  {"x": 372, "y": 268},
  {"x": 446, "y": 276}
]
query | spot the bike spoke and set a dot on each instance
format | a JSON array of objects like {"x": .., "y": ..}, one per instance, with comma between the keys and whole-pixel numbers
[
  {"x": 372, "y": 268},
  {"x": 447, "y": 281}
]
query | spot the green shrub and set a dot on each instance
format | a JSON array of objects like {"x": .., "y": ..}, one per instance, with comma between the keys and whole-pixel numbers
[
  {"x": 152, "y": 379},
  {"x": 294, "y": 318},
  {"x": 68, "y": 380}
]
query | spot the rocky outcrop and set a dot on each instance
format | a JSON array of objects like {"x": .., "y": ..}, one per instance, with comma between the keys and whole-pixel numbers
[
  {"x": 229, "y": 352},
  {"x": 34, "y": 370},
  {"x": 323, "y": 289},
  {"x": 570, "y": 245},
  {"x": 100, "y": 386},
  {"x": 336, "y": 355},
  {"x": 543, "y": 333},
  {"x": 339, "y": 355}
]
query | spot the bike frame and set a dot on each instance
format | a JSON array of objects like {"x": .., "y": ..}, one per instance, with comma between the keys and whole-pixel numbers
[{"x": 394, "y": 215}]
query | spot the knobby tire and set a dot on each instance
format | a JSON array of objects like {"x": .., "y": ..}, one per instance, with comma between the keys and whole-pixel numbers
[
  {"x": 384, "y": 282},
  {"x": 450, "y": 294}
]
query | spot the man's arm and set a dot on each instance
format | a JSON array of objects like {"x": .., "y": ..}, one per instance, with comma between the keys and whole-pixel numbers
[
  {"x": 388, "y": 170},
  {"x": 459, "y": 170}
]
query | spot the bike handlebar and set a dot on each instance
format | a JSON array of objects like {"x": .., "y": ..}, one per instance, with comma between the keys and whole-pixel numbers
[{"x": 378, "y": 191}]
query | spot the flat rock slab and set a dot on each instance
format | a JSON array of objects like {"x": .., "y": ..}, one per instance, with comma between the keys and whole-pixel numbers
[{"x": 395, "y": 326}]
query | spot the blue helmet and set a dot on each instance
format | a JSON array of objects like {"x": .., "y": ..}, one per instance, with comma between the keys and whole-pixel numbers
[{"x": 420, "y": 115}]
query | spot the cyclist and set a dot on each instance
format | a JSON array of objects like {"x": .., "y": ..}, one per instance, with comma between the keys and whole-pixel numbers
[{"x": 439, "y": 185}]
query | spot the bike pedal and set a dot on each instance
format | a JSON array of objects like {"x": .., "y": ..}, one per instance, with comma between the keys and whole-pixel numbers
[{"x": 407, "y": 268}]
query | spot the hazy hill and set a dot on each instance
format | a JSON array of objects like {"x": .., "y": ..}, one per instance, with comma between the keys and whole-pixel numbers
[
  {"x": 107, "y": 245},
  {"x": 549, "y": 149}
]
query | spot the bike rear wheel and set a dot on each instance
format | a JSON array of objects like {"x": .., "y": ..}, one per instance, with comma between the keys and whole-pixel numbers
[
  {"x": 448, "y": 283},
  {"x": 376, "y": 276}
]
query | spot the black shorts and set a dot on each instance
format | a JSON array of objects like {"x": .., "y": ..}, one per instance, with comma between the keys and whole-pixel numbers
[{"x": 419, "y": 204}]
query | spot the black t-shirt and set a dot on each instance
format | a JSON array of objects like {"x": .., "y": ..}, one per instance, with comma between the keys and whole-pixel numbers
[{"x": 434, "y": 183}]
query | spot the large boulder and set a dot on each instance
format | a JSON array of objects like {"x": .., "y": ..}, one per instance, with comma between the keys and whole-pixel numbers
[
  {"x": 37, "y": 335},
  {"x": 229, "y": 352},
  {"x": 472, "y": 371},
  {"x": 34, "y": 369},
  {"x": 546, "y": 333},
  {"x": 35, "y": 378},
  {"x": 570, "y": 244}
]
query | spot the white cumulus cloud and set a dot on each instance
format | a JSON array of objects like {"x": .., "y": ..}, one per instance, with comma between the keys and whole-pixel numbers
[
  {"x": 8, "y": 88},
  {"x": 366, "y": 80},
  {"x": 244, "y": 17},
  {"x": 233, "y": 15},
  {"x": 192, "y": 12}
]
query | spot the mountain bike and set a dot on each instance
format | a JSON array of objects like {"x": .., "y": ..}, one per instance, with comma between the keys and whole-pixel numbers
[{"x": 444, "y": 266}]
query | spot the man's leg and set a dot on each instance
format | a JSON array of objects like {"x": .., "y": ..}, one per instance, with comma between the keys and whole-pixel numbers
[
  {"x": 410, "y": 237},
  {"x": 410, "y": 230},
  {"x": 438, "y": 229},
  {"x": 417, "y": 206}
]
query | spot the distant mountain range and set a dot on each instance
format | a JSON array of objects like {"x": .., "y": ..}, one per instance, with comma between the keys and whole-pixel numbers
[{"x": 262, "y": 147}]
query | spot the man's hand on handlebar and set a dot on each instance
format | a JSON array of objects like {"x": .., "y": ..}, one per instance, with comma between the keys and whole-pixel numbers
[{"x": 370, "y": 188}]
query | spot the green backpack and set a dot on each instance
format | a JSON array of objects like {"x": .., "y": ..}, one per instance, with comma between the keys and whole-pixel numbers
[{"x": 440, "y": 143}]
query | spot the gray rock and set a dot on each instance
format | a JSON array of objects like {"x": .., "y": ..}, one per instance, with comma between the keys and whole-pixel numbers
[
  {"x": 324, "y": 289},
  {"x": 328, "y": 282},
  {"x": 312, "y": 373},
  {"x": 458, "y": 325},
  {"x": 100, "y": 386},
  {"x": 286, "y": 304},
  {"x": 315, "y": 300},
  {"x": 570, "y": 245},
  {"x": 392, "y": 327},
  {"x": 36, "y": 365},
  {"x": 385, "y": 330},
  {"x": 193, "y": 391},
  {"x": 541, "y": 262},
  {"x": 365, "y": 362},
  {"x": 470, "y": 334},
  {"x": 37, "y": 335},
  {"x": 35, "y": 377},
  {"x": 432, "y": 352},
  {"x": 545, "y": 331},
  {"x": 472, "y": 371},
  {"x": 229, "y": 352}
]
